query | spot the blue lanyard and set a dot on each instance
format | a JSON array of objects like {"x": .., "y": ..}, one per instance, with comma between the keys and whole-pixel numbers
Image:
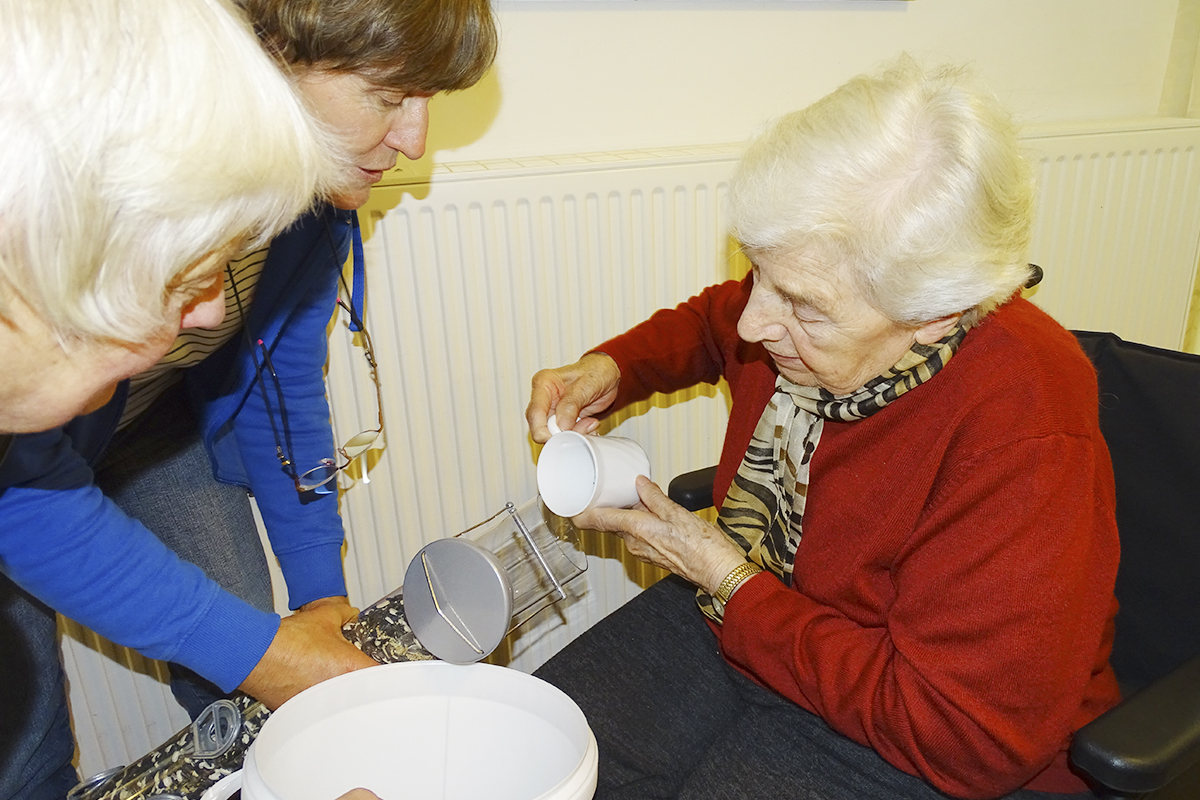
[{"x": 359, "y": 290}]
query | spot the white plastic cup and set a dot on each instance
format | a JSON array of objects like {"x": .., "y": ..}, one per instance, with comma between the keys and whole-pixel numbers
[{"x": 576, "y": 473}]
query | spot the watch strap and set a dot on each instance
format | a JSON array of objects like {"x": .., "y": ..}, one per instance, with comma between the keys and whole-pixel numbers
[{"x": 739, "y": 575}]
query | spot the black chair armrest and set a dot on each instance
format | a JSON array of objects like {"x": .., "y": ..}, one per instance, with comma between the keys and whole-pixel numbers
[
  {"x": 693, "y": 490},
  {"x": 1149, "y": 739}
]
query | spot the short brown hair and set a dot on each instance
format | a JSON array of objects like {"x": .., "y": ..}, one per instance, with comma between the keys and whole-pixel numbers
[{"x": 422, "y": 46}]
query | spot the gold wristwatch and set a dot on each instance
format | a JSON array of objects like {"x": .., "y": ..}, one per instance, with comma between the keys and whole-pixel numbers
[{"x": 733, "y": 580}]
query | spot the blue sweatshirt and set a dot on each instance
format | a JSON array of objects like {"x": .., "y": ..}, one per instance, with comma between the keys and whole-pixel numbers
[{"x": 67, "y": 544}]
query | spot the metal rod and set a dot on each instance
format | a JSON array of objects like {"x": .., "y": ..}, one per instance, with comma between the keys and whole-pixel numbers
[
  {"x": 562, "y": 595},
  {"x": 470, "y": 640}
]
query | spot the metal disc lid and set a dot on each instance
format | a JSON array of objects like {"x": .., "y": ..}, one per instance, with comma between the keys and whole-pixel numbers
[{"x": 458, "y": 600}]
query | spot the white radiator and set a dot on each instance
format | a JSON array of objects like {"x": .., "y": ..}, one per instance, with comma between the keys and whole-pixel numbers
[
  {"x": 490, "y": 271},
  {"x": 1118, "y": 226}
]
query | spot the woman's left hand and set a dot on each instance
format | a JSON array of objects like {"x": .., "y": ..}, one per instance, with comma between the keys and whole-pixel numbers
[{"x": 667, "y": 535}]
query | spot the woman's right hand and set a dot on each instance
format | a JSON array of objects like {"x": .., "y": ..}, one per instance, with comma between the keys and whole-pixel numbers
[
  {"x": 573, "y": 393},
  {"x": 308, "y": 648}
]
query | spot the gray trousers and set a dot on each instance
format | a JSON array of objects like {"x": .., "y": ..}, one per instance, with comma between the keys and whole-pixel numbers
[
  {"x": 158, "y": 471},
  {"x": 674, "y": 720}
]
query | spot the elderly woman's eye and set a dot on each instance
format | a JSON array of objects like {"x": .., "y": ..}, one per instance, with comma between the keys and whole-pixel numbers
[{"x": 806, "y": 313}]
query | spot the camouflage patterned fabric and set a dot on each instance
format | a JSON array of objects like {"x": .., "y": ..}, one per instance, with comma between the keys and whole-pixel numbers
[
  {"x": 175, "y": 770},
  {"x": 382, "y": 632}
]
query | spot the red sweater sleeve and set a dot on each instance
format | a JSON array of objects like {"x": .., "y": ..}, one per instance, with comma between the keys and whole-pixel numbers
[{"x": 680, "y": 347}]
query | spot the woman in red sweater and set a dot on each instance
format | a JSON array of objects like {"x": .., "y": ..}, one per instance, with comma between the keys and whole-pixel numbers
[{"x": 909, "y": 590}]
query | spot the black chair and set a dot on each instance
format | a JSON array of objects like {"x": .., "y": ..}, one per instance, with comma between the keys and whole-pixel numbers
[{"x": 1149, "y": 745}]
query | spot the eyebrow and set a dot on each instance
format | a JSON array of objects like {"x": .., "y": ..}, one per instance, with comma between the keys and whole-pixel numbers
[
  {"x": 816, "y": 302},
  {"x": 807, "y": 300},
  {"x": 819, "y": 303}
]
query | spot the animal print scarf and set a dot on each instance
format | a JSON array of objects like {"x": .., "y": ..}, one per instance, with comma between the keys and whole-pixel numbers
[{"x": 763, "y": 512}]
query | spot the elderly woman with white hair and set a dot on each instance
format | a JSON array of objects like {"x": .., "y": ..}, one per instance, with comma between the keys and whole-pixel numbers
[
  {"x": 145, "y": 143},
  {"x": 909, "y": 589},
  {"x": 118, "y": 209}
]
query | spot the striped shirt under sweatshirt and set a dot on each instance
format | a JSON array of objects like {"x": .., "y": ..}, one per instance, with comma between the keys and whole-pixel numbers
[{"x": 193, "y": 345}]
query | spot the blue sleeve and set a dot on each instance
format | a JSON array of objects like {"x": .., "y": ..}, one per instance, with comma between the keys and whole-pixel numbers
[
  {"x": 71, "y": 547},
  {"x": 305, "y": 529}
]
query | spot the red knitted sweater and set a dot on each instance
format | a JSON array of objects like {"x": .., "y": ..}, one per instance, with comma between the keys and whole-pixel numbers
[{"x": 952, "y": 603}]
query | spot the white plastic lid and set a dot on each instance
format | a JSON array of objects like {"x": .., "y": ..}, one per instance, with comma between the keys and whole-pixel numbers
[{"x": 458, "y": 600}]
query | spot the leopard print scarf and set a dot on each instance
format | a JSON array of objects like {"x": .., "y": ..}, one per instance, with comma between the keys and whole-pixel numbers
[{"x": 763, "y": 512}]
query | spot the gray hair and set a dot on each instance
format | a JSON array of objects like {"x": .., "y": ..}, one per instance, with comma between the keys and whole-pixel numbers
[
  {"x": 140, "y": 136},
  {"x": 911, "y": 179}
]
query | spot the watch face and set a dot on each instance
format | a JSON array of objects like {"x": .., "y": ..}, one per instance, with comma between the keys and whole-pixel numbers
[{"x": 718, "y": 607}]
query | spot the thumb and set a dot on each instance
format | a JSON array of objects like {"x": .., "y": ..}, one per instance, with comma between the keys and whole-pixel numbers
[
  {"x": 655, "y": 500},
  {"x": 566, "y": 412}
]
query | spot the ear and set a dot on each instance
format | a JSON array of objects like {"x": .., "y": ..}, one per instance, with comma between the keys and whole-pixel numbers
[{"x": 937, "y": 329}]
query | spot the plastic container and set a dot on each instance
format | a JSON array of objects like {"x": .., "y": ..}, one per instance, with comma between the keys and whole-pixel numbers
[
  {"x": 422, "y": 730},
  {"x": 462, "y": 595}
]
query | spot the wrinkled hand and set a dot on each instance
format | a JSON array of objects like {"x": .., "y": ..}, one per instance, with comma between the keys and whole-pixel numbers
[
  {"x": 667, "y": 535},
  {"x": 307, "y": 649},
  {"x": 574, "y": 393}
]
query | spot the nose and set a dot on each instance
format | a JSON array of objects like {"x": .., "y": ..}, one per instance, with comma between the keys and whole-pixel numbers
[
  {"x": 410, "y": 127},
  {"x": 207, "y": 310},
  {"x": 760, "y": 320}
]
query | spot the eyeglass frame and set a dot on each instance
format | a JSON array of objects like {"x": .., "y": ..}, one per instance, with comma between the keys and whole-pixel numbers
[
  {"x": 287, "y": 461},
  {"x": 372, "y": 364}
]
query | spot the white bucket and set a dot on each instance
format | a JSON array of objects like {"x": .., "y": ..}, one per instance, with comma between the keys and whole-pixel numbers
[{"x": 422, "y": 730}]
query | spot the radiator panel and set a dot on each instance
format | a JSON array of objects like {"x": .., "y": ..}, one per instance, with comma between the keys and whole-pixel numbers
[{"x": 1117, "y": 229}]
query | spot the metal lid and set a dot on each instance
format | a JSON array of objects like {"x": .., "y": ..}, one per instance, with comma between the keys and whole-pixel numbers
[{"x": 457, "y": 600}]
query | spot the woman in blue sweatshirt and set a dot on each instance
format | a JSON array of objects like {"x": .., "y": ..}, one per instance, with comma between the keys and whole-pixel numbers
[{"x": 251, "y": 411}]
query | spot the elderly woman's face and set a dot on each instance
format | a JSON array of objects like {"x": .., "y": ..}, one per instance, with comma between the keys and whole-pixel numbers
[
  {"x": 47, "y": 386},
  {"x": 820, "y": 330},
  {"x": 376, "y": 123}
]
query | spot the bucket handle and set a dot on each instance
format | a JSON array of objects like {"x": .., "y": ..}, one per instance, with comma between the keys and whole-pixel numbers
[{"x": 224, "y": 788}]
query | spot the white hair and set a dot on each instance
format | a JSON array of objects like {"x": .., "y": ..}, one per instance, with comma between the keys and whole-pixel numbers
[
  {"x": 139, "y": 136},
  {"x": 911, "y": 180}
]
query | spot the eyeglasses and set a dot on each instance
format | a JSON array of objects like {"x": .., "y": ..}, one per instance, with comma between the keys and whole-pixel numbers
[
  {"x": 318, "y": 478},
  {"x": 360, "y": 442}
]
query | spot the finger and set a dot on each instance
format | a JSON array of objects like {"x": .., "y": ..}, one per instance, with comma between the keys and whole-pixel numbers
[
  {"x": 581, "y": 399},
  {"x": 566, "y": 410},
  {"x": 655, "y": 500},
  {"x": 543, "y": 395},
  {"x": 613, "y": 520},
  {"x": 359, "y": 794},
  {"x": 538, "y": 429},
  {"x": 536, "y": 418}
]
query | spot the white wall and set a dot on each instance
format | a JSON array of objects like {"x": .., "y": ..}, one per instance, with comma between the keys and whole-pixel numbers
[{"x": 575, "y": 77}]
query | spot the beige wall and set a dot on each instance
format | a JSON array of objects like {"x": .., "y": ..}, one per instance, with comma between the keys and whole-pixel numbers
[{"x": 577, "y": 77}]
